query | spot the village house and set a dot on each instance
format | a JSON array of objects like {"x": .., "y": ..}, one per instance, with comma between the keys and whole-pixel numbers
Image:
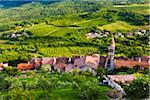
[
  {"x": 69, "y": 67},
  {"x": 61, "y": 64},
  {"x": 119, "y": 34},
  {"x": 90, "y": 63},
  {"x": 32, "y": 64},
  {"x": 25, "y": 66},
  {"x": 13, "y": 35},
  {"x": 129, "y": 34},
  {"x": 92, "y": 35},
  {"x": 1, "y": 67},
  {"x": 130, "y": 63},
  {"x": 122, "y": 78},
  {"x": 47, "y": 60},
  {"x": 37, "y": 62}
]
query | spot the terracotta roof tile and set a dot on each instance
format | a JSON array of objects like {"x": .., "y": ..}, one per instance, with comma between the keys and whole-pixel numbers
[
  {"x": 92, "y": 61},
  {"x": 130, "y": 63},
  {"x": 47, "y": 60},
  {"x": 25, "y": 66},
  {"x": 122, "y": 78}
]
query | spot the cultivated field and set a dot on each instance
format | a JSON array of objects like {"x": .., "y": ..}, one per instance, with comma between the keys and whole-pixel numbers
[
  {"x": 137, "y": 8},
  {"x": 119, "y": 25}
]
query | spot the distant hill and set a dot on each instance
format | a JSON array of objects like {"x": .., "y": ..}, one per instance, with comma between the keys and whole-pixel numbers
[
  {"x": 11, "y": 3},
  {"x": 15, "y": 3}
]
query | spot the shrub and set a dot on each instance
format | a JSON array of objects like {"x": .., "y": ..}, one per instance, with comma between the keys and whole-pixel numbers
[
  {"x": 100, "y": 72},
  {"x": 67, "y": 77},
  {"x": 75, "y": 85},
  {"x": 114, "y": 94},
  {"x": 145, "y": 71},
  {"x": 4, "y": 84},
  {"x": 139, "y": 88},
  {"x": 136, "y": 67},
  {"x": 11, "y": 71},
  {"x": 131, "y": 71},
  {"x": 138, "y": 75},
  {"x": 44, "y": 84},
  {"x": 89, "y": 91},
  {"x": 62, "y": 84},
  {"x": 123, "y": 68}
]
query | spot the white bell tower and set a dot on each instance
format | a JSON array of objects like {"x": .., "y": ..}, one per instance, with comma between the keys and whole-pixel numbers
[{"x": 111, "y": 53}]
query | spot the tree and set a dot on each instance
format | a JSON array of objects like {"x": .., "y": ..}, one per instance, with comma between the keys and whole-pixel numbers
[
  {"x": 139, "y": 88},
  {"x": 45, "y": 85},
  {"x": 89, "y": 91},
  {"x": 101, "y": 72},
  {"x": 11, "y": 71}
]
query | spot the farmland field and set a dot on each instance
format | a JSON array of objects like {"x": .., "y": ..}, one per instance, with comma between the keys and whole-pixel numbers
[
  {"x": 67, "y": 51},
  {"x": 137, "y": 8},
  {"x": 42, "y": 29},
  {"x": 119, "y": 25}
]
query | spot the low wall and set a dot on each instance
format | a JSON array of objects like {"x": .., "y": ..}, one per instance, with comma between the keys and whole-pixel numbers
[{"x": 115, "y": 85}]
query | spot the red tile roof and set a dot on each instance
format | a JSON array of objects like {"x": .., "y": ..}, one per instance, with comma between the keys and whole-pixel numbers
[
  {"x": 122, "y": 78},
  {"x": 1, "y": 65},
  {"x": 79, "y": 62},
  {"x": 47, "y": 61},
  {"x": 60, "y": 66},
  {"x": 130, "y": 63},
  {"x": 25, "y": 66},
  {"x": 92, "y": 61},
  {"x": 148, "y": 57},
  {"x": 69, "y": 67}
]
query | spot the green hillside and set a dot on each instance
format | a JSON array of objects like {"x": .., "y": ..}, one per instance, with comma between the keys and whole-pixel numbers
[
  {"x": 137, "y": 8},
  {"x": 42, "y": 29},
  {"x": 60, "y": 28},
  {"x": 120, "y": 26}
]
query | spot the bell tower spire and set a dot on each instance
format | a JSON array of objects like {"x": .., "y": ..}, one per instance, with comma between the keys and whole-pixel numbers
[{"x": 111, "y": 53}]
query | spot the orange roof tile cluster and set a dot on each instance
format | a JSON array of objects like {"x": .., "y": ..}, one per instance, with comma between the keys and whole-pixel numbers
[
  {"x": 130, "y": 63},
  {"x": 1, "y": 65},
  {"x": 25, "y": 66},
  {"x": 61, "y": 66},
  {"x": 92, "y": 61},
  {"x": 79, "y": 62},
  {"x": 69, "y": 67},
  {"x": 47, "y": 60}
]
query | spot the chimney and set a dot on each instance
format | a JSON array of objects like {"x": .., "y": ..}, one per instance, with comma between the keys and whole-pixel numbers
[
  {"x": 54, "y": 63},
  {"x": 149, "y": 61},
  {"x": 69, "y": 60},
  {"x": 139, "y": 60}
]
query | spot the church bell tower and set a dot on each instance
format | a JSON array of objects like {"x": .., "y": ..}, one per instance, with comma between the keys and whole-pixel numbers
[{"x": 111, "y": 53}]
